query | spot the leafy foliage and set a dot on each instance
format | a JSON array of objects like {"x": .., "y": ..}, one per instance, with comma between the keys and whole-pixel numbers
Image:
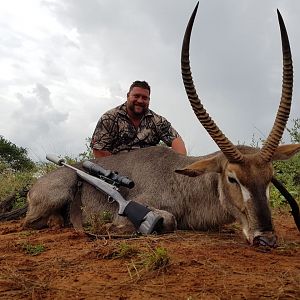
[
  {"x": 18, "y": 171},
  {"x": 14, "y": 157},
  {"x": 288, "y": 172},
  {"x": 88, "y": 153},
  {"x": 11, "y": 181},
  {"x": 295, "y": 131}
]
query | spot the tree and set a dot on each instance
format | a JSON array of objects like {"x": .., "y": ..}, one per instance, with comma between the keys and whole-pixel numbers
[
  {"x": 13, "y": 156},
  {"x": 295, "y": 131},
  {"x": 88, "y": 154}
]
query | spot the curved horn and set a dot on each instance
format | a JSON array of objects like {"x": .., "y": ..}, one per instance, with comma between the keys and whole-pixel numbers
[
  {"x": 228, "y": 149},
  {"x": 283, "y": 112}
]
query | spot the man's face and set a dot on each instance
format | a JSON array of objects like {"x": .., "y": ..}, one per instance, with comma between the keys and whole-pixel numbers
[{"x": 138, "y": 102}]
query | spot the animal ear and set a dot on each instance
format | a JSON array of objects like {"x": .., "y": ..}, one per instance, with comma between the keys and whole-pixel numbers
[
  {"x": 284, "y": 152},
  {"x": 200, "y": 167}
]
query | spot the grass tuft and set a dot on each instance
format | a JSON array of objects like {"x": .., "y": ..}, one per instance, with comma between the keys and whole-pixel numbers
[
  {"x": 154, "y": 259},
  {"x": 33, "y": 249}
]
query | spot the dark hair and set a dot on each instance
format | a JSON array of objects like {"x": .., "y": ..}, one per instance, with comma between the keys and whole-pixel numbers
[{"x": 140, "y": 84}]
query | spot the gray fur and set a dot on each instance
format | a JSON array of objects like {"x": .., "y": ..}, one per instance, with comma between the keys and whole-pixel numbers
[{"x": 194, "y": 201}]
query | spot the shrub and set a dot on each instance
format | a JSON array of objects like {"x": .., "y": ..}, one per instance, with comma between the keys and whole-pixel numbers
[
  {"x": 288, "y": 172},
  {"x": 13, "y": 156}
]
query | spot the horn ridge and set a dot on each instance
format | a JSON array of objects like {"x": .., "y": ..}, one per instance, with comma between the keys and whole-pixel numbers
[
  {"x": 283, "y": 112},
  {"x": 228, "y": 149}
]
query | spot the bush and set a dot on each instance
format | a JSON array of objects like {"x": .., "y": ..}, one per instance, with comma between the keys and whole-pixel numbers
[
  {"x": 288, "y": 172},
  {"x": 12, "y": 182},
  {"x": 18, "y": 172},
  {"x": 14, "y": 157},
  {"x": 14, "y": 178}
]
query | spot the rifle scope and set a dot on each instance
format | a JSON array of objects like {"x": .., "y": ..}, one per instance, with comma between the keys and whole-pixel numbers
[{"x": 98, "y": 171}]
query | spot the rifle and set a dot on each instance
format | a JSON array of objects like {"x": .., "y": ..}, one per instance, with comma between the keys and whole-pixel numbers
[{"x": 144, "y": 220}]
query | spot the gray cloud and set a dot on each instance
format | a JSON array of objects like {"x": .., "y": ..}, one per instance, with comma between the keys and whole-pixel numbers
[
  {"x": 235, "y": 56},
  {"x": 36, "y": 119}
]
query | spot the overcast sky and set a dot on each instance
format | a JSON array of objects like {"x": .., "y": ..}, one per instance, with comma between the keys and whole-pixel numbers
[{"x": 64, "y": 63}]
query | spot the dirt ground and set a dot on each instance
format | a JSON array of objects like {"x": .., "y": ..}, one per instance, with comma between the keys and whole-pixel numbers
[{"x": 64, "y": 264}]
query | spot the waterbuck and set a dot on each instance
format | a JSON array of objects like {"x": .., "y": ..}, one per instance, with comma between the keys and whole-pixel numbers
[{"x": 222, "y": 187}]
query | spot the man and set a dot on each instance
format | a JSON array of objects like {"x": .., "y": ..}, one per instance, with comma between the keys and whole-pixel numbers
[{"x": 133, "y": 125}]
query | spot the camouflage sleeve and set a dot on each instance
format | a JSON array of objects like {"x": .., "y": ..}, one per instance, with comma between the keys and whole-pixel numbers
[
  {"x": 102, "y": 138},
  {"x": 166, "y": 131}
]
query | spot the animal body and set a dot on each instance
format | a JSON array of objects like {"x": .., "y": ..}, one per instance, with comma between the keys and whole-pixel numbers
[{"x": 220, "y": 188}]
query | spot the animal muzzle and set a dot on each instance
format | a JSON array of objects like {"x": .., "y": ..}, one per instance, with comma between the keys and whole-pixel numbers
[{"x": 268, "y": 239}]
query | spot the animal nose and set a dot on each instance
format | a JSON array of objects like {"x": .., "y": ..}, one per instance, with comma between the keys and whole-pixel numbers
[{"x": 269, "y": 240}]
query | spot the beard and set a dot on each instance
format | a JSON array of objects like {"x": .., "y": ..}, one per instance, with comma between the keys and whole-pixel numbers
[{"x": 137, "y": 110}]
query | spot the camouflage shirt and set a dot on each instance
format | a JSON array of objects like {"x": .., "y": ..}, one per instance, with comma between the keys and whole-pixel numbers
[{"x": 115, "y": 132}]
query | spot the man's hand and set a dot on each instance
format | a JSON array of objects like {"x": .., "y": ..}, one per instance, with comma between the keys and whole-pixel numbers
[{"x": 178, "y": 146}]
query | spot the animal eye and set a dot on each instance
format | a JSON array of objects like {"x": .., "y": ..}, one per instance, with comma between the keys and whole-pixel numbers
[{"x": 232, "y": 180}]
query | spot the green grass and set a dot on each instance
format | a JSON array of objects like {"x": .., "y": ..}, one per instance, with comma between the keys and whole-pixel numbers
[
  {"x": 288, "y": 172},
  {"x": 123, "y": 250},
  {"x": 33, "y": 249},
  {"x": 155, "y": 259},
  {"x": 97, "y": 221}
]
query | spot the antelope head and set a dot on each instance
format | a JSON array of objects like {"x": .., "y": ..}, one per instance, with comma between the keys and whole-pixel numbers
[{"x": 245, "y": 173}]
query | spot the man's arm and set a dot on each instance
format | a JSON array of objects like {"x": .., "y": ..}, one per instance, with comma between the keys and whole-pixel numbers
[
  {"x": 100, "y": 153},
  {"x": 178, "y": 146},
  {"x": 170, "y": 136},
  {"x": 102, "y": 136}
]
